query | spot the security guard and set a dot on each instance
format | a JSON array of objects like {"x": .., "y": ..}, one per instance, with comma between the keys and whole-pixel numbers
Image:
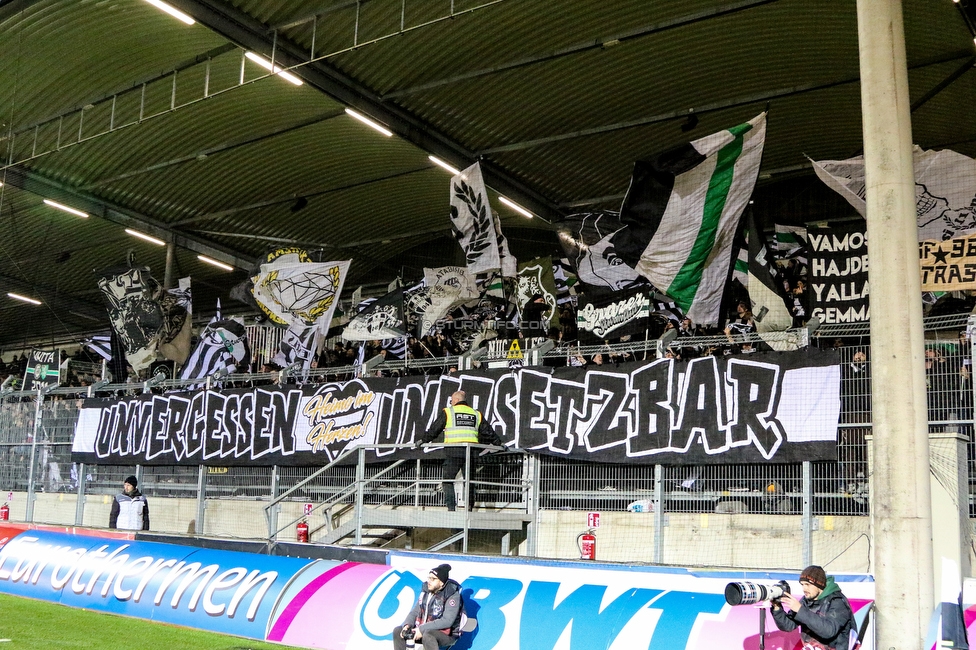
[{"x": 461, "y": 425}]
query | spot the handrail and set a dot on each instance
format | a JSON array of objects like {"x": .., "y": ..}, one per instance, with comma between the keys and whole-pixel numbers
[
  {"x": 356, "y": 485},
  {"x": 315, "y": 474}
]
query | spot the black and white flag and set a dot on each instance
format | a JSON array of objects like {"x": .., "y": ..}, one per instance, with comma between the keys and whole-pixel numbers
[
  {"x": 614, "y": 314},
  {"x": 177, "y": 305},
  {"x": 945, "y": 190},
  {"x": 222, "y": 348},
  {"x": 770, "y": 310},
  {"x": 381, "y": 319},
  {"x": 134, "y": 309},
  {"x": 565, "y": 278},
  {"x": 476, "y": 228},
  {"x": 299, "y": 345},
  {"x": 586, "y": 240},
  {"x": 100, "y": 344}
]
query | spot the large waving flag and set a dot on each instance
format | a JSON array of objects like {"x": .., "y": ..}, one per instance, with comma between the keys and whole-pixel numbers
[
  {"x": 477, "y": 230},
  {"x": 681, "y": 212},
  {"x": 299, "y": 344},
  {"x": 586, "y": 239},
  {"x": 768, "y": 307},
  {"x": 443, "y": 289},
  {"x": 222, "y": 347},
  {"x": 381, "y": 319},
  {"x": 945, "y": 190},
  {"x": 132, "y": 298},
  {"x": 293, "y": 290},
  {"x": 177, "y": 304}
]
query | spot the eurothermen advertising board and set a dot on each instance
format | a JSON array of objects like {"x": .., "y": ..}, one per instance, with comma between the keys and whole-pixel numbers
[
  {"x": 221, "y": 591},
  {"x": 345, "y": 605}
]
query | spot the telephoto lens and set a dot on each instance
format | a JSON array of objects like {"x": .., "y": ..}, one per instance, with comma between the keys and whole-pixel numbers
[
  {"x": 744, "y": 593},
  {"x": 748, "y": 593}
]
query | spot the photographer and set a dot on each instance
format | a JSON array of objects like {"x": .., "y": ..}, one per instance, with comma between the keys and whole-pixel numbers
[
  {"x": 823, "y": 615},
  {"x": 435, "y": 620}
]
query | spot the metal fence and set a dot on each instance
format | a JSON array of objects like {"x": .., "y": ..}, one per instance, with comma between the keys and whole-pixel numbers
[{"x": 818, "y": 507}]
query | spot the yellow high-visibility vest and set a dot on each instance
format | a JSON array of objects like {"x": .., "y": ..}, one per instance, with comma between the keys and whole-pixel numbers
[{"x": 462, "y": 426}]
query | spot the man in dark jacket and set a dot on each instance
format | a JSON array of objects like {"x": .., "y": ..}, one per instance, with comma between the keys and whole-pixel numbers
[
  {"x": 824, "y": 616},
  {"x": 461, "y": 425},
  {"x": 130, "y": 510},
  {"x": 435, "y": 620}
]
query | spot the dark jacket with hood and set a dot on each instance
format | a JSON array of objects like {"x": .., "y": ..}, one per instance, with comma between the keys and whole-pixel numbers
[
  {"x": 825, "y": 622},
  {"x": 438, "y": 611}
]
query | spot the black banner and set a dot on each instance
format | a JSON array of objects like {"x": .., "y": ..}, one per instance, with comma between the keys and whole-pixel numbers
[
  {"x": 780, "y": 408},
  {"x": 839, "y": 273},
  {"x": 43, "y": 369},
  {"x": 614, "y": 314}
]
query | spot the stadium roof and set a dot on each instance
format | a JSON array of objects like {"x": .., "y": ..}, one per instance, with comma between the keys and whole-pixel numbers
[{"x": 124, "y": 112}]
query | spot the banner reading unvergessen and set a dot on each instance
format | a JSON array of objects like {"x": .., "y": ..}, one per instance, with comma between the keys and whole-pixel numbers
[{"x": 779, "y": 408}]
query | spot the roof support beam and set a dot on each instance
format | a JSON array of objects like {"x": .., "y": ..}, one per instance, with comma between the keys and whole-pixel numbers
[
  {"x": 41, "y": 186},
  {"x": 58, "y": 302},
  {"x": 735, "y": 102},
  {"x": 250, "y": 34},
  {"x": 292, "y": 197},
  {"x": 592, "y": 44},
  {"x": 945, "y": 83},
  {"x": 212, "y": 151}
]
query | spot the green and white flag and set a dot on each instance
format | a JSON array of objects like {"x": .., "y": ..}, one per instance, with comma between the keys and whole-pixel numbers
[
  {"x": 789, "y": 239},
  {"x": 681, "y": 213}
]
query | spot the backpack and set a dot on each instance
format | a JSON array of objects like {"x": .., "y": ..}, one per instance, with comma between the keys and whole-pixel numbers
[{"x": 466, "y": 623}]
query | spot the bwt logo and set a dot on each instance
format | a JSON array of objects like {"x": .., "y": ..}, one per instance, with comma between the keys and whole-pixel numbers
[{"x": 536, "y": 613}]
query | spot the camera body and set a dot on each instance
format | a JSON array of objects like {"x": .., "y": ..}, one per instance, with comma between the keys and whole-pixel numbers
[
  {"x": 407, "y": 632},
  {"x": 748, "y": 593}
]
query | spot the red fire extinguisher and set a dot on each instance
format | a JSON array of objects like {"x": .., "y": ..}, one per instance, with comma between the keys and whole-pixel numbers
[
  {"x": 4, "y": 512},
  {"x": 301, "y": 531},
  {"x": 586, "y": 541}
]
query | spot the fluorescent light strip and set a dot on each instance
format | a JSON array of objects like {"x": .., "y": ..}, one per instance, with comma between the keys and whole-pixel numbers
[
  {"x": 144, "y": 236},
  {"x": 515, "y": 206},
  {"x": 368, "y": 122},
  {"x": 17, "y": 296},
  {"x": 172, "y": 11},
  {"x": 264, "y": 63},
  {"x": 219, "y": 265},
  {"x": 60, "y": 206},
  {"x": 440, "y": 163}
]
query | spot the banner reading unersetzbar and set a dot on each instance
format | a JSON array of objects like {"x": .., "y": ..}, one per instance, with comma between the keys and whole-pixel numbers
[{"x": 780, "y": 408}]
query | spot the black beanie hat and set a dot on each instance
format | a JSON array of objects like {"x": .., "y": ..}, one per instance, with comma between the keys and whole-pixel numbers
[
  {"x": 442, "y": 571},
  {"x": 815, "y": 575},
  {"x": 131, "y": 480}
]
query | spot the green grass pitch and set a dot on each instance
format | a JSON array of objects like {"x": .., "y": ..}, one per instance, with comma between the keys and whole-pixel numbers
[{"x": 26, "y": 623}]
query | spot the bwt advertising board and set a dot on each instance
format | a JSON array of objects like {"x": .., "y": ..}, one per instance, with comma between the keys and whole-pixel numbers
[{"x": 339, "y": 606}]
